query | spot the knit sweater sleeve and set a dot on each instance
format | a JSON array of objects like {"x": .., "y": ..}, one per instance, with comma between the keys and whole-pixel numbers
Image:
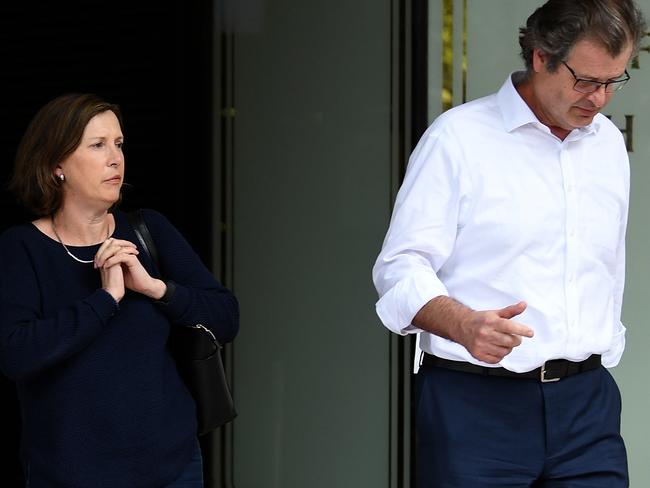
[
  {"x": 39, "y": 326},
  {"x": 199, "y": 298}
]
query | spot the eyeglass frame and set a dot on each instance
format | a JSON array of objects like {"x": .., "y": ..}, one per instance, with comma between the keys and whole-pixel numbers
[{"x": 616, "y": 84}]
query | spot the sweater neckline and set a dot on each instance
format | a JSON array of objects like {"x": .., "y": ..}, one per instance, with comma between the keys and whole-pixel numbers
[{"x": 47, "y": 238}]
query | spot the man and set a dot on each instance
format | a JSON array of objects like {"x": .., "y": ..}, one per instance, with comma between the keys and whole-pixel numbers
[{"x": 505, "y": 254}]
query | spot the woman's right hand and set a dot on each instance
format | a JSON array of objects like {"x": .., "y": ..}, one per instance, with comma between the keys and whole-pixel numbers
[
  {"x": 112, "y": 275},
  {"x": 113, "y": 281}
]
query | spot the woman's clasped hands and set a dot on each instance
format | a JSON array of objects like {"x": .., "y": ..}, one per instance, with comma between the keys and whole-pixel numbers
[{"x": 120, "y": 269}]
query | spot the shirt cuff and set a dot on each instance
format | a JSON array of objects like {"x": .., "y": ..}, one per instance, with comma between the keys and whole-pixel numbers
[{"x": 397, "y": 307}]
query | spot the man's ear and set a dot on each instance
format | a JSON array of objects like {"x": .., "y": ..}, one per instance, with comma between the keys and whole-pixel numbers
[{"x": 540, "y": 59}]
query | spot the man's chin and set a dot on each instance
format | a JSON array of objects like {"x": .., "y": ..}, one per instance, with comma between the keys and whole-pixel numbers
[
  {"x": 582, "y": 121},
  {"x": 584, "y": 116}
]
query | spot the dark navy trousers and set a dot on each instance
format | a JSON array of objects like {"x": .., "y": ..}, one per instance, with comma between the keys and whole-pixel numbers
[{"x": 478, "y": 431}]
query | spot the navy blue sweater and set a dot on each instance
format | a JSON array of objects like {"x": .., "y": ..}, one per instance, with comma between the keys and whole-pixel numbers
[{"x": 102, "y": 402}]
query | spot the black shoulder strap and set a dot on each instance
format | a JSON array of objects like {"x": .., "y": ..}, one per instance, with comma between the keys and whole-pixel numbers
[{"x": 144, "y": 236}]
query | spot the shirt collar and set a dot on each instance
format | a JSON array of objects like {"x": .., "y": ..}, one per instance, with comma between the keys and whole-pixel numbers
[{"x": 516, "y": 113}]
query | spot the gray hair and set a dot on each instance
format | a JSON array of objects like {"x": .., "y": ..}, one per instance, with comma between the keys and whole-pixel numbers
[{"x": 558, "y": 25}]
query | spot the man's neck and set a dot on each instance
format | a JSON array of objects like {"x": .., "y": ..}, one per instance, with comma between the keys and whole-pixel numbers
[{"x": 524, "y": 87}]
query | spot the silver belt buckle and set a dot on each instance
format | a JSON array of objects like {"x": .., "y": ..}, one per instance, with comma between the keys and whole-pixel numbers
[{"x": 542, "y": 375}]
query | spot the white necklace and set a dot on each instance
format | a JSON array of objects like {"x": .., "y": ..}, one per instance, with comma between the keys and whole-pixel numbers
[{"x": 84, "y": 261}]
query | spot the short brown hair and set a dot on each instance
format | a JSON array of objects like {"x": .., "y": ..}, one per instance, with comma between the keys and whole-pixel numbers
[{"x": 53, "y": 134}]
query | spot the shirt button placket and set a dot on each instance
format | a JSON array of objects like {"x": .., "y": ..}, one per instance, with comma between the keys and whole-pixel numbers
[{"x": 571, "y": 220}]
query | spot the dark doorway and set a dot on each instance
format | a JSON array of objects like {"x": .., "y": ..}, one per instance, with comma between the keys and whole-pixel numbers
[{"x": 152, "y": 58}]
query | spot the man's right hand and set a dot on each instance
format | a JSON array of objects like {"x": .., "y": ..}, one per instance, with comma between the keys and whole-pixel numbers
[
  {"x": 491, "y": 335},
  {"x": 488, "y": 335}
]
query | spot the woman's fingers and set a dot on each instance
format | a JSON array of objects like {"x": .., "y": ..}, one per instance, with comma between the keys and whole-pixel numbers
[
  {"x": 112, "y": 247},
  {"x": 123, "y": 255}
]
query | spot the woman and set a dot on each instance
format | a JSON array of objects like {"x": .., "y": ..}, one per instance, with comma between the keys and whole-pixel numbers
[{"x": 84, "y": 324}]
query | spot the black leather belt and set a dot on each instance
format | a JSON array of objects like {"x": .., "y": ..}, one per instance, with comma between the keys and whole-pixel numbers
[{"x": 553, "y": 370}]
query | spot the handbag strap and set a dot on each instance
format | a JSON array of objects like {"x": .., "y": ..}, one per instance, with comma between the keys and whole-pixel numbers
[
  {"x": 144, "y": 236},
  {"x": 149, "y": 248}
]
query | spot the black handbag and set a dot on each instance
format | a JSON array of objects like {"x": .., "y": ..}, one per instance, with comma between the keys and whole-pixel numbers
[{"x": 197, "y": 354}]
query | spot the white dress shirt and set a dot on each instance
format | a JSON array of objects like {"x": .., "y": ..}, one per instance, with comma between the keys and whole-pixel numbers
[{"x": 495, "y": 209}]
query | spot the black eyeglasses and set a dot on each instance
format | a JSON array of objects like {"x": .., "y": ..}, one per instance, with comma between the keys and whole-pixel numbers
[{"x": 591, "y": 86}]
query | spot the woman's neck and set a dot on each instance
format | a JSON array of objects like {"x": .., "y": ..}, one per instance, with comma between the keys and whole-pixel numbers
[{"x": 79, "y": 228}]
